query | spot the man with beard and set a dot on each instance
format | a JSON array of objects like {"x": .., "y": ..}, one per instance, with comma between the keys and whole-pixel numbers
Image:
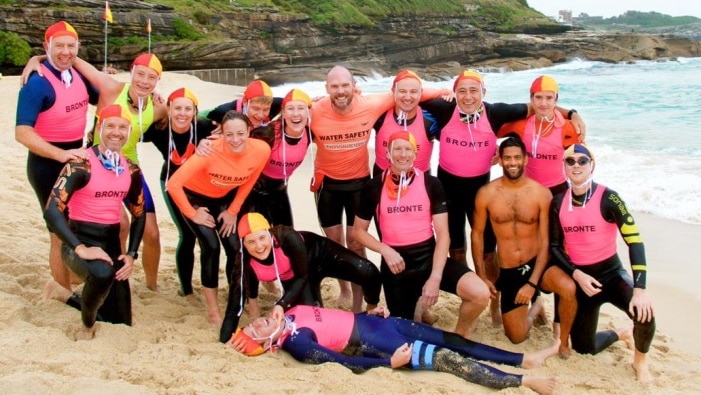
[
  {"x": 341, "y": 126},
  {"x": 518, "y": 208}
]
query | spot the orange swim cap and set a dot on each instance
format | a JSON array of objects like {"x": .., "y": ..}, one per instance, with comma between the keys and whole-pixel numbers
[
  {"x": 250, "y": 347},
  {"x": 296, "y": 94},
  {"x": 149, "y": 60},
  {"x": 255, "y": 89},
  {"x": 404, "y": 74},
  {"x": 183, "y": 92},
  {"x": 544, "y": 83},
  {"x": 402, "y": 135},
  {"x": 59, "y": 29},
  {"x": 251, "y": 223},
  {"x": 468, "y": 75},
  {"x": 115, "y": 110}
]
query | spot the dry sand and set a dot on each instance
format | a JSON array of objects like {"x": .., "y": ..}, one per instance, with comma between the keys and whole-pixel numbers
[{"x": 172, "y": 349}]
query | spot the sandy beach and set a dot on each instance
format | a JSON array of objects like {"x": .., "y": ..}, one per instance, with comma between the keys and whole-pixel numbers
[{"x": 172, "y": 349}]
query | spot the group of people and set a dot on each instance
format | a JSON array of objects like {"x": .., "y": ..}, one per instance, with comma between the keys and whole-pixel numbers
[{"x": 224, "y": 179}]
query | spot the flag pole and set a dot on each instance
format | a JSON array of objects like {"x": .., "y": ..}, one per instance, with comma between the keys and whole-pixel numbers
[
  {"x": 104, "y": 70},
  {"x": 149, "y": 35}
]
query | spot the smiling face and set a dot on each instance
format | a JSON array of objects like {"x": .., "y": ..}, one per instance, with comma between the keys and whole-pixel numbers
[
  {"x": 182, "y": 112},
  {"x": 339, "y": 86},
  {"x": 296, "y": 116},
  {"x": 402, "y": 155},
  {"x": 235, "y": 132},
  {"x": 544, "y": 103},
  {"x": 513, "y": 161},
  {"x": 258, "y": 110},
  {"x": 578, "y": 168},
  {"x": 469, "y": 94},
  {"x": 62, "y": 50},
  {"x": 258, "y": 244},
  {"x": 143, "y": 80},
  {"x": 406, "y": 95},
  {"x": 114, "y": 133}
]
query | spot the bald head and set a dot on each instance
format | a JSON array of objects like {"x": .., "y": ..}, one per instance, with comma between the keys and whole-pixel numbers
[{"x": 340, "y": 86}]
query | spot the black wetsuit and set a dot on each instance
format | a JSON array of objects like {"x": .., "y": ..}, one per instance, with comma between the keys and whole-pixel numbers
[
  {"x": 312, "y": 258},
  {"x": 101, "y": 293},
  {"x": 617, "y": 285},
  {"x": 160, "y": 137}
]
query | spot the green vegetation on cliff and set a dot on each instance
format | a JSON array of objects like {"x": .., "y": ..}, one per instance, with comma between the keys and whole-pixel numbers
[{"x": 500, "y": 15}]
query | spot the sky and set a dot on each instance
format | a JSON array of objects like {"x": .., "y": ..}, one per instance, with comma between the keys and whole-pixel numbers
[{"x": 610, "y": 8}]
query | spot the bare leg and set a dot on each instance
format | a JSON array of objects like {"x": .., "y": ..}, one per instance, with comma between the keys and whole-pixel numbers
[
  {"x": 151, "y": 251},
  {"x": 253, "y": 308},
  {"x": 641, "y": 368},
  {"x": 59, "y": 271},
  {"x": 86, "y": 333},
  {"x": 335, "y": 233},
  {"x": 475, "y": 297},
  {"x": 213, "y": 311},
  {"x": 541, "y": 385},
  {"x": 54, "y": 290},
  {"x": 356, "y": 288},
  {"x": 557, "y": 281},
  {"x": 492, "y": 272},
  {"x": 536, "y": 359}
]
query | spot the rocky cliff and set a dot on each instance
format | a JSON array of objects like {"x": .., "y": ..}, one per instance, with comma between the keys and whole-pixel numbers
[{"x": 289, "y": 48}]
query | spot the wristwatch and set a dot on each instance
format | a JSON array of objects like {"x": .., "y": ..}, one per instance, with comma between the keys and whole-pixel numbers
[
  {"x": 569, "y": 114},
  {"x": 133, "y": 254}
]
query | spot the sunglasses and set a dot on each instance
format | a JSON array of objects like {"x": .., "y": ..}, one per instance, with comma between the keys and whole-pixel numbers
[{"x": 582, "y": 161}]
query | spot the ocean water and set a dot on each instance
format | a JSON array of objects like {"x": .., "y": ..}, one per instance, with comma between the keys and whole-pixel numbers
[{"x": 642, "y": 125}]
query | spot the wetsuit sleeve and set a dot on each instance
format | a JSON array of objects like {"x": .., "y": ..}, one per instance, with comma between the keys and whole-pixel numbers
[
  {"x": 294, "y": 248},
  {"x": 379, "y": 122},
  {"x": 303, "y": 346},
  {"x": 441, "y": 112},
  {"x": 370, "y": 199},
  {"x": 217, "y": 114},
  {"x": 204, "y": 130},
  {"x": 501, "y": 113},
  {"x": 557, "y": 237},
  {"x": 276, "y": 107},
  {"x": 431, "y": 126},
  {"x": 74, "y": 176},
  {"x": 36, "y": 96},
  {"x": 436, "y": 195},
  {"x": 136, "y": 206},
  {"x": 614, "y": 210}
]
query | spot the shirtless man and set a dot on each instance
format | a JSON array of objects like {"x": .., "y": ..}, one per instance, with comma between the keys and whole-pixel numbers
[{"x": 518, "y": 208}]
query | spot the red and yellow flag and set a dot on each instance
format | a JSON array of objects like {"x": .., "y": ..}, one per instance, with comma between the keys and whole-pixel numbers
[
  {"x": 148, "y": 26},
  {"x": 108, "y": 13}
]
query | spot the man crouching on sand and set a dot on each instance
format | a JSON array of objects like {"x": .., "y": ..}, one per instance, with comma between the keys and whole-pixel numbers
[{"x": 93, "y": 190}]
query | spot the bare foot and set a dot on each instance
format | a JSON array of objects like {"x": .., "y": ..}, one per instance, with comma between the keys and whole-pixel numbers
[
  {"x": 536, "y": 314},
  {"x": 556, "y": 330},
  {"x": 537, "y": 358},
  {"x": 85, "y": 333},
  {"x": 565, "y": 351},
  {"x": 346, "y": 295},
  {"x": 541, "y": 385},
  {"x": 214, "y": 317},
  {"x": 55, "y": 291},
  {"x": 641, "y": 369},
  {"x": 626, "y": 334},
  {"x": 428, "y": 318},
  {"x": 153, "y": 287}
]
